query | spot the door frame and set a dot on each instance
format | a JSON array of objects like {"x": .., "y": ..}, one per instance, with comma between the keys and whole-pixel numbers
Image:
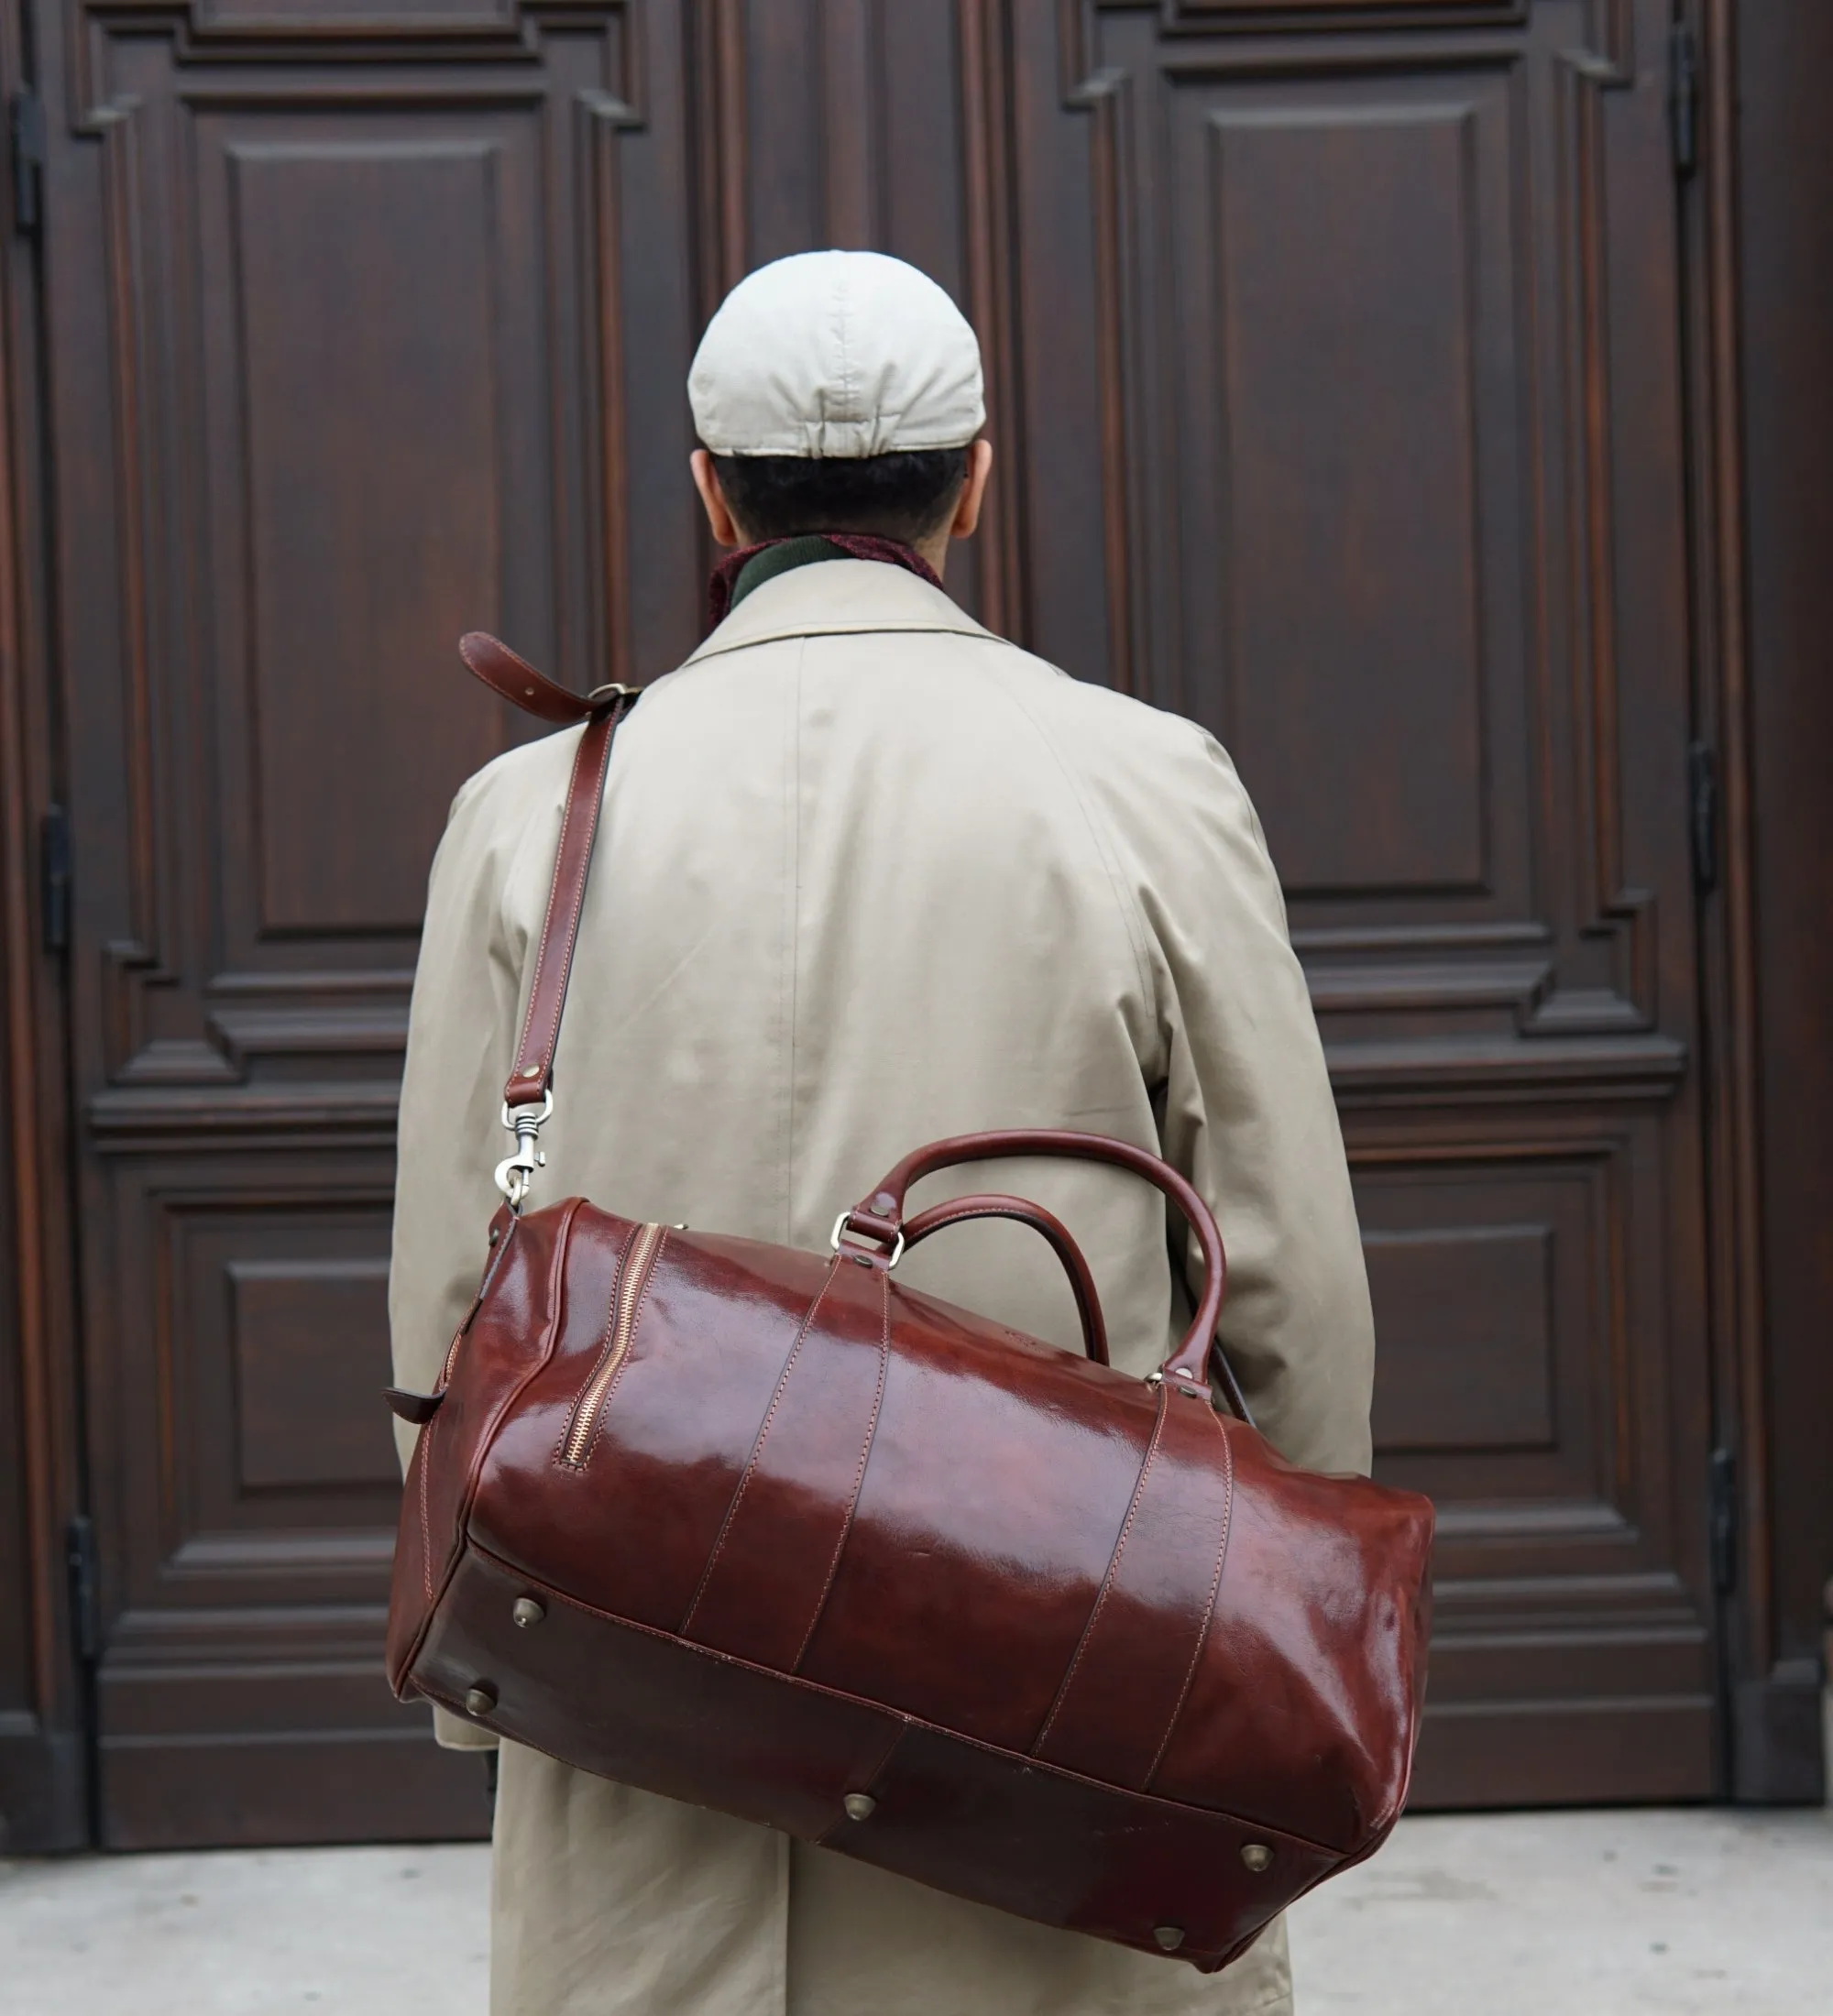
[
  {"x": 47, "y": 1782},
  {"x": 1756, "y": 1011}
]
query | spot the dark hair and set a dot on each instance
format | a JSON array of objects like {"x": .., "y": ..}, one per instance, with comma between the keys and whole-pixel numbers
[{"x": 907, "y": 495}]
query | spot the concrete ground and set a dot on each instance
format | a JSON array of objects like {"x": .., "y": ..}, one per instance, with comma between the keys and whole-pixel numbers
[
  {"x": 1514, "y": 1914},
  {"x": 1578, "y": 1914}
]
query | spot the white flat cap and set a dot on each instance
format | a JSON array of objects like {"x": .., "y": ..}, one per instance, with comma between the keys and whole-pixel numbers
[{"x": 836, "y": 354}]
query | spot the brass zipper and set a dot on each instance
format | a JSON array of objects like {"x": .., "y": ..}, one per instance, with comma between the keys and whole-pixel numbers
[{"x": 638, "y": 1265}]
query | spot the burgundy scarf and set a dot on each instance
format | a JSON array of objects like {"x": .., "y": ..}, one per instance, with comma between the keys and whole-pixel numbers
[{"x": 855, "y": 545}]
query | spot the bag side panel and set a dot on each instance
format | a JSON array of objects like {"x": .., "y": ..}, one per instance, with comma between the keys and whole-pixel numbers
[
  {"x": 631, "y": 1527},
  {"x": 1000, "y": 1478},
  {"x": 781, "y": 1544},
  {"x": 1133, "y": 1668},
  {"x": 1304, "y": 1705},
  {"x": 698, "y": 1726},
  {"x": 642, "y": 1707},
  {"x": 1066, "y": 1851},
  {"x": 507, "y": 1336}
]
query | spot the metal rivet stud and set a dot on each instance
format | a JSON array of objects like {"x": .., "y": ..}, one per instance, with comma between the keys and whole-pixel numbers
[
  {"x": 1169, "y": 1936},
  {"x": 860, "y": 1805},
  {"x": 528, "y": 1612},
  {"x": 533, "y": 1072},
  {"x": 1257, "y": 1856},
  {"x": 479, "y": 1700}
]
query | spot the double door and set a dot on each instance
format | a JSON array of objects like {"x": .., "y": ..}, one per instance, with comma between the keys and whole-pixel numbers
[{"x": 1336, "y": 380}]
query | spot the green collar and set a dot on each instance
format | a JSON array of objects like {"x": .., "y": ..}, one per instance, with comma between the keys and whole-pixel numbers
[{"x": 782, "y": 558}]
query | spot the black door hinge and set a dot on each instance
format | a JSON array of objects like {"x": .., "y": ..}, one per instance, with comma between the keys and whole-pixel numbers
[
  {"x": 54, "y": 879},
  {"x": 1682, "y": 97},
  {"x": 85, "y": 1588},
  {"x": 28, "y": 162},
  {"x": 1702, "y": 792},
  {"x": 1722, "y": 1515}
]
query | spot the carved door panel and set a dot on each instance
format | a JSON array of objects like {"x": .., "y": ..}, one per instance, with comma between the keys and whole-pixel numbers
[
  {"x": 357, "y": 317},
  {"x": 1332, "y": 367},
  {"x": 1361, "y": 323}
]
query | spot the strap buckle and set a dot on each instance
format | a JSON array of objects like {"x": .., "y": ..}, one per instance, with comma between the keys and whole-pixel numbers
[
  {"x": 515, "y": 1172},
  {"x": 842, "y": 1225}
]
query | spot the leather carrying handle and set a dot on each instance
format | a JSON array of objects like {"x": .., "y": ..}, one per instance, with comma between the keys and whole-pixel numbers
[
  {"x": 508, "y": 674},
  {"x": 960, "y": 1211},
  {"x": 880, "y": 1216}
]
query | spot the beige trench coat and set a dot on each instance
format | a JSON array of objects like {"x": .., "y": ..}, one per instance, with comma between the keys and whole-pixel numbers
[{"x": 868, "y": 875}]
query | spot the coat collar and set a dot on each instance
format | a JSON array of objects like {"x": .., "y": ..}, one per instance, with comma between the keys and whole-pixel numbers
[{"x": 833, "y": 597}]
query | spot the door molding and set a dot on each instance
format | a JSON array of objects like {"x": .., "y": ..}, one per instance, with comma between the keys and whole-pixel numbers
[
  {"x": 44, "y": 1737},
  {"x": 1774, "y": 1673}
]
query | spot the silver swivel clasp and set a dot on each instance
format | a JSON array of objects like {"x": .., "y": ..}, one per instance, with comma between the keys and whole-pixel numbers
[{"x": 515, "y": 1172}]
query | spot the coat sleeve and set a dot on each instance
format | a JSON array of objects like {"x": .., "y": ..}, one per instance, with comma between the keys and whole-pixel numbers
[
  {"x": 1248, "y": 1113},
  {"x": 461, "y": 1043}
]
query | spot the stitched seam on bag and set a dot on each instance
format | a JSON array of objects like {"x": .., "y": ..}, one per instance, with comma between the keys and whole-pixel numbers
[
  {"x": 491, "y": 1268},
  {"x": 604, "y": 1345},
  {"x": 757, "y": 1446},
  {"x": 446, "y": 1371},
  {"x": 467, "y": 1497},
  {"x": 859, "y": 1480},
  {"x": 599, "y": 1357},
  {"x": 450, "y": 1357},
  {"x": 1209, "y": 1614},
  {"x": 629, "y": 1346},
  {"x": 1261, "y": 1829},
  {"x": 1113, "y": 1568},
  {"x": 425, "y": 1515}
]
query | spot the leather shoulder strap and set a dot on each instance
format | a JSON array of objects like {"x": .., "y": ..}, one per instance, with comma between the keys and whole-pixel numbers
[
  {"x": 506, "y": 672},
  {"x": 602, "y": 710}
]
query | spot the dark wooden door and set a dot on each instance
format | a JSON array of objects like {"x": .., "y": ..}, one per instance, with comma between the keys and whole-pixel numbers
[
  {"x": 1335, "y": 379},
  {"x": 1334, "y": 359},
  {"x": 1351, "y": 406},
  {"x": 359, "y": 320}
]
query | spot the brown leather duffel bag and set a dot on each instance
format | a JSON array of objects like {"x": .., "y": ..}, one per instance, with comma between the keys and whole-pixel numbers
[{"x": 763, "y": 1530}]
